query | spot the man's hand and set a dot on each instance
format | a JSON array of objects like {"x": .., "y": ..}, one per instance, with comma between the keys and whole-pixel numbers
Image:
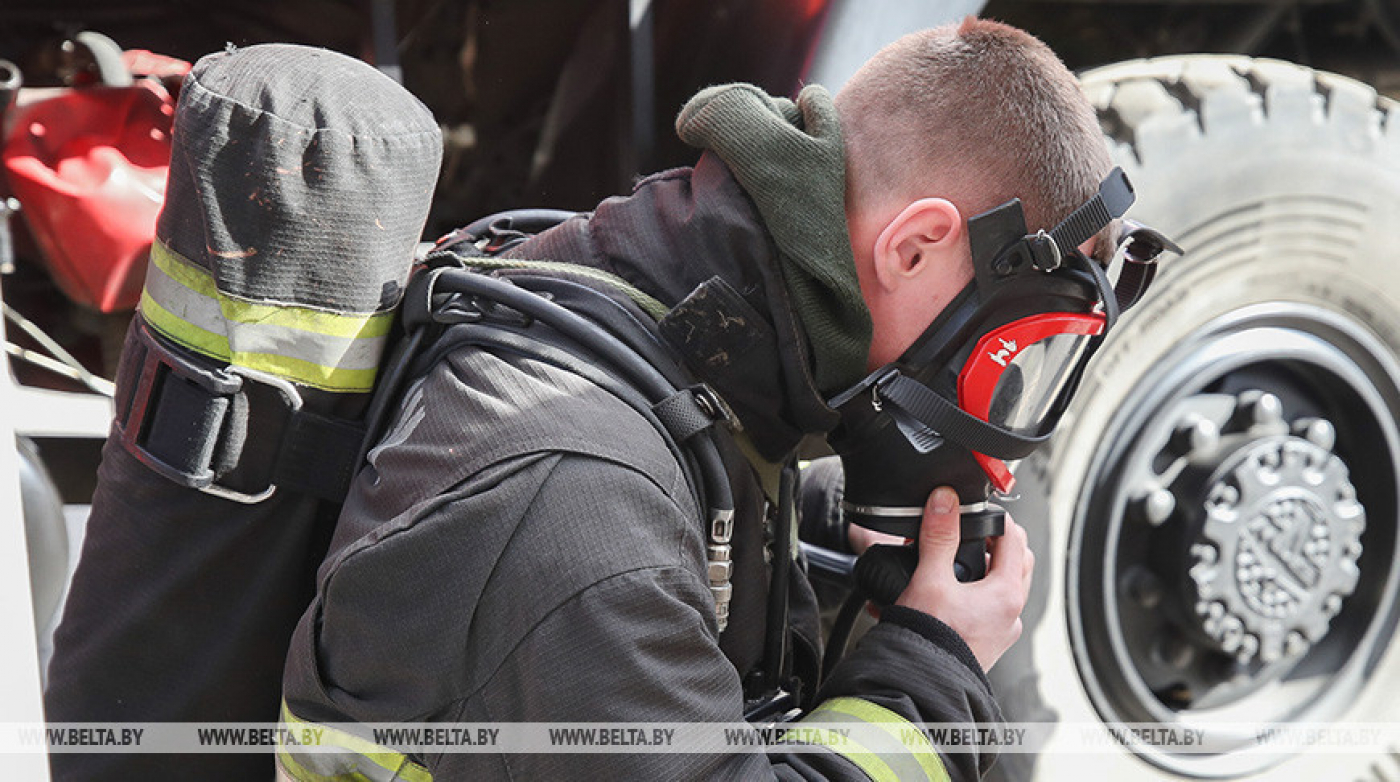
[{"x": 986, "y": 613}]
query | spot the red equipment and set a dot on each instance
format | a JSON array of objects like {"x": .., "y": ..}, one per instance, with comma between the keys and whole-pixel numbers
[{"x": 89, "y": 166}]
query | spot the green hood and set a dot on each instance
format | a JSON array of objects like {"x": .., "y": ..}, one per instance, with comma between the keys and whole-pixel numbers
[{"x": 790, "y": 160}]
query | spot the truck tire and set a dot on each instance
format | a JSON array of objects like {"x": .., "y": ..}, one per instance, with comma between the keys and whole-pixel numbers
[{"x": 1215, "y": 517}]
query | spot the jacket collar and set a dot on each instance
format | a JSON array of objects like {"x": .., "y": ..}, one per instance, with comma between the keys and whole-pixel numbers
[{"x": 694, "y": 239}]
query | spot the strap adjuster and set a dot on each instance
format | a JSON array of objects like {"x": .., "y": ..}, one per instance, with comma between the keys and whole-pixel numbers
[
  {"x": 291, "y": 397},
  {"x": 1045, "y": 252},
  {"x": 187, "y": 442}
]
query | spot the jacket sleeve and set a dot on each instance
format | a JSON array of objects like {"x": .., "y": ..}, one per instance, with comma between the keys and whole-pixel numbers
[
  {"x": 915, "y": 677},
  {"x": 587, "y": 608}
]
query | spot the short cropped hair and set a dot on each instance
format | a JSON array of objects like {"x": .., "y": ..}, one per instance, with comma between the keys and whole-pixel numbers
[{"x": 978, "y": 113}]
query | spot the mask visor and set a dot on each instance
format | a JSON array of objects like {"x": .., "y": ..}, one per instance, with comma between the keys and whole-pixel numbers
[{"x": 1019, "y": 374}]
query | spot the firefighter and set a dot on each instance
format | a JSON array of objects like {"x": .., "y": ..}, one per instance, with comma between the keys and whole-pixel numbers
[{"x": 523, "y": 544}]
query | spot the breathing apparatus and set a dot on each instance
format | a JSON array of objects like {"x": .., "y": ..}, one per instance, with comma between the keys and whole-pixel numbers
[{"x": 987, "y": 381}]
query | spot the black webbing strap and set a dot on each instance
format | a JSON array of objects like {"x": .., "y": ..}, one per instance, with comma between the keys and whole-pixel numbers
[
  {"x": 1107, "y": 293},
  {"x": 227, "y": 431},
  {"x": 918, "y": 401},
  {"x": 1141, "y": 248},
  {"x": 1112, "y": 201},
  {"x": 684, "y": 414},
  {"x": 318, "y": 455}
]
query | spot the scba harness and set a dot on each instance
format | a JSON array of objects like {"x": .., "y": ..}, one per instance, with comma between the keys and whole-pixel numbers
[
  {"x": 183, "y": 408},
  {"x": 545, "y": 316}
]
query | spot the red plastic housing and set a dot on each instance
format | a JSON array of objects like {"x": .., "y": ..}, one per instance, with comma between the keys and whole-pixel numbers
[
  {"x": 89, "y": 167},
  {"x": 978, "y": 380}
]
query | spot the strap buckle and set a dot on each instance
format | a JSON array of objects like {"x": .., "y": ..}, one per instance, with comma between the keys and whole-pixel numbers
[
  {"x": 291, "y": 397},
  {"x": 1045, "y": 252},
  {"x": 879, "y": 384},
  {"x": 184, "y": 445}
]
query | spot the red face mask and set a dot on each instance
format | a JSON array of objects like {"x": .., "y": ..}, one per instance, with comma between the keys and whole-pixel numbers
[{"x": 986, "y": 383}]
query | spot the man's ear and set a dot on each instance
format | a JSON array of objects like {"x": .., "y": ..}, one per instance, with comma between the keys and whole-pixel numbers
[{"x": 919, "y": 239}]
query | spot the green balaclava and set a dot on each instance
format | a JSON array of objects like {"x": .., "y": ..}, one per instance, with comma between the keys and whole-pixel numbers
[{"x": 790, "y": 160}]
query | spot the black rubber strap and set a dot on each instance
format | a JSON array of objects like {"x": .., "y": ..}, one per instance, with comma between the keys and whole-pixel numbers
[
  {"x": 951, "y": 422},
  {"x": 1133, "y": 281},
  {"x": 1086, "y": 221},
  {"x": 1107, "y": 293}
]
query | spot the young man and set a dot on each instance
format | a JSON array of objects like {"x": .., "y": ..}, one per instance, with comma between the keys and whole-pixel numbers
[{"x": 523, "y": 547}]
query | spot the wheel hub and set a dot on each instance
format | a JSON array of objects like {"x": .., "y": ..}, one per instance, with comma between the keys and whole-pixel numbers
[
  {"x": 1237, "y": 551},
  {"x": 1204, "y": 492},
  {"x": 1265, "y": 524},
  {"x": 1277, "y": 548}
]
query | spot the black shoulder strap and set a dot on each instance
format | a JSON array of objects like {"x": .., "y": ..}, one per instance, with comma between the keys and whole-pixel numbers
[{"x": 451, "y": 307}]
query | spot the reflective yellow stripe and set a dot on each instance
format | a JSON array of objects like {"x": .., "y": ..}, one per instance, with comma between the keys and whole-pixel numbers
[
  {"x": 867, "y": 761},
  {"x": 325, "y": 350},
  {"x": 335, "y": 324},
  {"x": 383, "y": 763},
  {"x": 217, "y": 346},
  {"x": 906, "y": 741}
]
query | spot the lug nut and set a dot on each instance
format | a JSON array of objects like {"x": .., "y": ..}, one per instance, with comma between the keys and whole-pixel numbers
[
  {"x": 1332, "y": 605},
  {"x": 1196, "y": 434},
  {"x": 1317, "y": 431},
  {"x": 1249, "y": 648},
  {"x": 1295, "y": 645},
  {"x": 1156, "y": 506},
  {"x": 1258, "y": 408},
  {"x": 1222, "y": 498}
]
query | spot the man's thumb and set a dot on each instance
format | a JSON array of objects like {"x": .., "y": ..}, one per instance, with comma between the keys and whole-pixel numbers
[{"x": 941, "y": 531}]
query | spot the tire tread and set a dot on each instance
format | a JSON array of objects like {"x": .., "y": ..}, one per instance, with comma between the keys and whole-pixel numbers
[{"x": 1145, "y": 106}]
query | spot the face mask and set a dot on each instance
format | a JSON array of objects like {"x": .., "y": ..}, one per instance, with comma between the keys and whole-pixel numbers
[{"x": 986, "y": 383}]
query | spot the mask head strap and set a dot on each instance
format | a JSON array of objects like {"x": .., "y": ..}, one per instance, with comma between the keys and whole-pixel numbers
[
  {"x": 1111, "y": 202},
  {"x": 1002, "y": 248},
  {"x": 1138, "y": 250}
]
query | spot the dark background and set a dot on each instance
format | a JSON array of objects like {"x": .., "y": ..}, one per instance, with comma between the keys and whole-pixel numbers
[{"x": 537, "y": 97}]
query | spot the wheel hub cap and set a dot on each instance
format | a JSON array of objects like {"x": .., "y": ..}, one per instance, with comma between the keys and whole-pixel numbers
[{"x": 1277, "y": 551}]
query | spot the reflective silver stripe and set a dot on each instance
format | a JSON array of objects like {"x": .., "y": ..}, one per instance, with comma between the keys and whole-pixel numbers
[
  {"x": 899, "y": 744},
  {"x": 333, "y": 351},
  {"x": 361, "y": 759},
  {"x": 327, "y": 767}
]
